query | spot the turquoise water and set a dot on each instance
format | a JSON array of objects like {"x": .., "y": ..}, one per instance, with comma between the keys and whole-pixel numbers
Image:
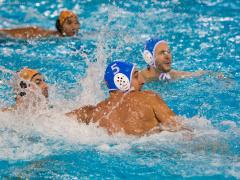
[{"x": 202, "y": 35}]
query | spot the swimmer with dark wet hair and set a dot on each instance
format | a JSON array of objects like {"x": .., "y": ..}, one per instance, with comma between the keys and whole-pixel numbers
[
  {"x": 29, "y": 88},
  {"x": 67, "y": 24},
  {"x": 158, "y": 56},
  {"x": 128, "y": 109}
]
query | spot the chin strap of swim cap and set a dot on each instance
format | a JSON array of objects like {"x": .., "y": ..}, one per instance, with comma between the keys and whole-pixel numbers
[
  {"x": 25, "y": 74},
  {"x": 118, "y": 76},
  {"x": 64, "y": 15},
  {"x": 164, "y": 76},
  {"x": 149, "y": 50}
]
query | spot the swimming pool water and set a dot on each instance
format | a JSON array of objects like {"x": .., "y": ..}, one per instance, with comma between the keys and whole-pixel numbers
[{"x": 202, "y": 35}]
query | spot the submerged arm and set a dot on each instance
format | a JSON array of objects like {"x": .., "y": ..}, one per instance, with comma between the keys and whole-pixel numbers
[
  {"x": 28, "y": 32},
  {"x": 184, "y": 74}
]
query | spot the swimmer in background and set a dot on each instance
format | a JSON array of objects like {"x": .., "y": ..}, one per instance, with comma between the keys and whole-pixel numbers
[
  {"x": 158, "y": 56},
  {"x": 30, "y": 90},
  {"x": 128, "y": 109},
  {"x": 67, "y": 24}
]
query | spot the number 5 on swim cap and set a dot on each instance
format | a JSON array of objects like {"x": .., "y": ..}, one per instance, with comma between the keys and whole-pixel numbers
[
  {"x": 120, "y": 80},
  {"x": 118, "y": 75},
  {"x": 115, "y": 68}
]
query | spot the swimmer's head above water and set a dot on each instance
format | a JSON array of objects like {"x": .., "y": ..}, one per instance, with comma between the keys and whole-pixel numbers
[
  {"x": 67, "y": 23},
  {"x": 134, "y": 113},
  {"x": 30, "y": 89},
  {"x": 123, "y": 76},
  {"x": 157, "y": 54},
  {"x": 32, "y": 79}
]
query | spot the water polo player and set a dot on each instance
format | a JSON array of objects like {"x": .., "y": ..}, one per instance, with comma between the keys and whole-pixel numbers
[
  {"x": 158, "y": 56},
  {"x": 67, "y": 24},
  {"x": 128, "y": 109},
  {"x": 30, "y": 89}
]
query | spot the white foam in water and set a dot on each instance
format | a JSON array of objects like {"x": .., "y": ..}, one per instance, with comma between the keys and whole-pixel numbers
[
  {"x": 27, "y": 136},
  {"x": 92, "y": 92},
  {"x": 229, "y": 123}
]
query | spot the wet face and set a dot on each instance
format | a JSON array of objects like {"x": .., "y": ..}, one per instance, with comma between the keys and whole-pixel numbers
[
  {"x": 137, "y": 80},
  {"x": 70, "y": 26},
  {"x": 39, "y": 81},
  {"x": 163, "y": 57}
]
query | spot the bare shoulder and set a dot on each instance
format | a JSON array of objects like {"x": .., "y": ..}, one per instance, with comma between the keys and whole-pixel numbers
[
  {"x": 153, "y": 97},
  {"x": 29, "y": 28},
  {"x": 37, "y": 29},
  {"x": 145, "y": 95},
  {"x": 150, "y": 93},
  {"x": 103, "y": 103},
  {"x": 34, "y": 28}
]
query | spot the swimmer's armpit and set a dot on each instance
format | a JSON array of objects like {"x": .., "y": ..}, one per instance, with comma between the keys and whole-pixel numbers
[
  {"x": 83, "y": 114},
  {"x": 164, "y": 115}
]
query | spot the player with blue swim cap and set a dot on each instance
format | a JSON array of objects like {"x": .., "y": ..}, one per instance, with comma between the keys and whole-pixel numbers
[
  {"x": 128, "y": 109},
  {"x": 149, "y": 51},
  {"x": 158, "y": 56},
  {"x": 118, "y": 76}
]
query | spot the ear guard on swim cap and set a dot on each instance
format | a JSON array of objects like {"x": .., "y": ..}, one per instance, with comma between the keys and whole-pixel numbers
[
  {"x": 149, "y": 50},
  {"x": 25, "y": 74},
  {"x": 23, "y": 85},
  {"x": 118, "y": 76}
]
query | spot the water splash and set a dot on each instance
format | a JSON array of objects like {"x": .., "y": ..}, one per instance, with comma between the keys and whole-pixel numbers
[{"x": 198, "y": 40}]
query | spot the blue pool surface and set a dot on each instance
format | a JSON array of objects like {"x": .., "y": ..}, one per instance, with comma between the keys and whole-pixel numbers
[{"x": 202, "y": 34}]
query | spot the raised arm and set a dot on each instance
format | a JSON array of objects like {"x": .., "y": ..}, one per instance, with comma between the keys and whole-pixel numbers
[{"x": 83, "y": 114}]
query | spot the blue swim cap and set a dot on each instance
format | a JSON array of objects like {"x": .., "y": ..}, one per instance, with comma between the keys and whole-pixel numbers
[
  {"x": 149, "y": 49},
  {"x": 118, "y": 76}
]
